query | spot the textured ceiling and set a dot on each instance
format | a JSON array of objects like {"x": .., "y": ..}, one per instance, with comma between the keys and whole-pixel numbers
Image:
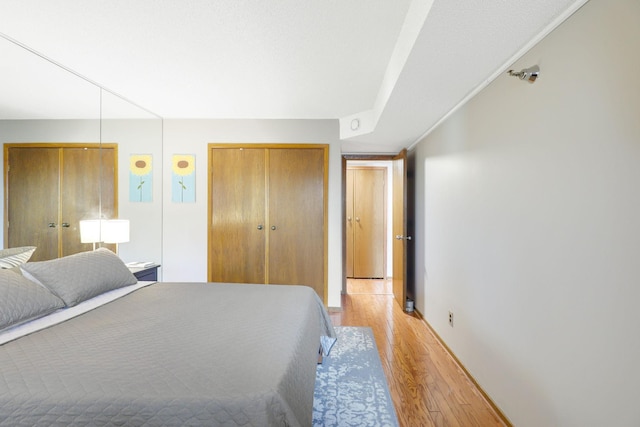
[{"x": 398, "y": 66}]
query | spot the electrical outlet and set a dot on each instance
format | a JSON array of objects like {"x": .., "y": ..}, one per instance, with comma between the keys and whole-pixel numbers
[{"x": 451, "y": 318}]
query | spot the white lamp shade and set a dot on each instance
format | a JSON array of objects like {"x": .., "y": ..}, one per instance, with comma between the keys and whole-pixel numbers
[
  {"x": 115, "y": 231},
  {"x": 90, "y": 230}
]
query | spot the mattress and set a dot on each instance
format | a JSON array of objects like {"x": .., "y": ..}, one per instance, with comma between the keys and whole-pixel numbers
[{"x": 172, "y": 354}]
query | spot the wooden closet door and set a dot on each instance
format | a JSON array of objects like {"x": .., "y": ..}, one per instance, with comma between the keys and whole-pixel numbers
[
  {"x": 32, "y": 200},
  {"x": 87, "y": 192},
  {"x": 237, "y": 213},
  {"x": 369, "y": 226},
  {"x": 349, "y": 222},
  {"x": 296, "y": 217}
]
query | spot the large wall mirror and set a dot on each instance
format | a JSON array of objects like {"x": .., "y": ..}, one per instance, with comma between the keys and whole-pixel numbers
[
  {"x": 53, "y": 124},
  {"x": 138, "y": 136}
]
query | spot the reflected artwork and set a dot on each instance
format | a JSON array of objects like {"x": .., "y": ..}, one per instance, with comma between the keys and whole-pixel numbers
[{"x": 140, "y": 178}]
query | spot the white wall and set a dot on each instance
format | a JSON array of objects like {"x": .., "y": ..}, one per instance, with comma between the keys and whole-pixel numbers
[
  {"x": 528, "y": 205},
  {"x": 185, "y": 225}
]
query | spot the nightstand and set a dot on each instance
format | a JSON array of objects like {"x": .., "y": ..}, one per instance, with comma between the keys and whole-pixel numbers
[{"x": 149, "y": 273}]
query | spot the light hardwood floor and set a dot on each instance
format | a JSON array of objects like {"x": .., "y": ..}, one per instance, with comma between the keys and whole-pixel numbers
[{"x": 427, "y": 386}]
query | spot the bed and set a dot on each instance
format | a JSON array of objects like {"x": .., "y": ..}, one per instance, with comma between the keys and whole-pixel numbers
[{"x": 163, "y": 354}]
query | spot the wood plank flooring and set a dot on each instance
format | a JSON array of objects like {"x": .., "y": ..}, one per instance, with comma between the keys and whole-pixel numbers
[{"x": 427, "y": 386}]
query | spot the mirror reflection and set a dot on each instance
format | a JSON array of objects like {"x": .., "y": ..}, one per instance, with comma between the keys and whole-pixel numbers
[
  {"x": 137, "y": 134},
  {"x": 67, "y": 148}
]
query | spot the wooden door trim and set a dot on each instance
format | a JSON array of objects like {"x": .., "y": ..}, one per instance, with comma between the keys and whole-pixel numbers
[
  {"x": 60, "y": 145},
  {"x": 400, "y": 285},
  {"x": 265, "y": 145},
  {"x": 325, "y": 147},
  {"x": 9, "y": 145}
]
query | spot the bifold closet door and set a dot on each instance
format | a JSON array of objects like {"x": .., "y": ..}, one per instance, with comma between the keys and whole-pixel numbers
[
  {"x": 238, "y": 210},
  {"x": 267, "y": 214},
  {"x": 296, "y": 217}
]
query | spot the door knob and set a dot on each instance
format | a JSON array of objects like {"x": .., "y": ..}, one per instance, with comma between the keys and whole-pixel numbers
[
  {"x": 357, "y": 219},
  {"x": 260, "y": 227},
  {"x": 65, "y": 224},
  {"x": 52, "y": 225},
  {"x": 273, "y": 227},
  {"x": 348, "y": 218}
]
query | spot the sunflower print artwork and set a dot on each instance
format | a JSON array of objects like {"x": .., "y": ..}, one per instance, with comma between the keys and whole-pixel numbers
[
  {"x": 183, "y": 182},
  {"x": 140, "y": 178}
]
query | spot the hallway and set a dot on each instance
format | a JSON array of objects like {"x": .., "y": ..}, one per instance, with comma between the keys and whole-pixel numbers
[{"x": 427, "y": 387}]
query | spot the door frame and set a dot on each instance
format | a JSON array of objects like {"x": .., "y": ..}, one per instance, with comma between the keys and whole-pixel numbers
[{"x": 345, "y": 159}]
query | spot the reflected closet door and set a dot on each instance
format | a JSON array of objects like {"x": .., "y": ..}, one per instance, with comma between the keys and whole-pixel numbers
[
  {"x": 237, "y": 202},
  {"x": 33, "y": 191},
  {"x": 87, "y": 191},
  {"x": 50, "y": 189}
]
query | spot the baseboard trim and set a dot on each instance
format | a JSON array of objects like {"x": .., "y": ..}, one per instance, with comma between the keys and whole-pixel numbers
[{"x": 484, "y": 394}]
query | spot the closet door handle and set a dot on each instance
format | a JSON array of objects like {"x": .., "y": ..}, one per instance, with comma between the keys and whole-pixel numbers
[
  {"x": 273, "y": 227},
  {"x": 357, "y": 219},
  {"x": 260, "y": 227},
  {"x": 52, "y": 225},
  {"x": 65, "y": 224}
]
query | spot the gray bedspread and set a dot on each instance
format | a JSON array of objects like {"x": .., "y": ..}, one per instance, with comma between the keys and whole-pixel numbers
[{"x": 172, "y": 354}]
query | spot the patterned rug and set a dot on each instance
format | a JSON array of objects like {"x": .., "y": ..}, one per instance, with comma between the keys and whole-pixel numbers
[{"x": 351, "y": 389}]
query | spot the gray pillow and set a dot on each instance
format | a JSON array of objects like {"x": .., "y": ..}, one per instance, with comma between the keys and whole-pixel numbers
[
  {"x": 13, "y": 257},
  {"x": 22, "y": 300},
  {"x": 76, "y": 278}
]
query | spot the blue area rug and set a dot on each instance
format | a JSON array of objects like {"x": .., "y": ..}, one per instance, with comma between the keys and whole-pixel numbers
[{"x": 351, "y": 389}]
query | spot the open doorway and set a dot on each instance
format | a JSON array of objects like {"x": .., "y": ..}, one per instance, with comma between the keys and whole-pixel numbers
[
  {"x": 396, "y": 237},
  {"x": 368, "y": 226}
]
